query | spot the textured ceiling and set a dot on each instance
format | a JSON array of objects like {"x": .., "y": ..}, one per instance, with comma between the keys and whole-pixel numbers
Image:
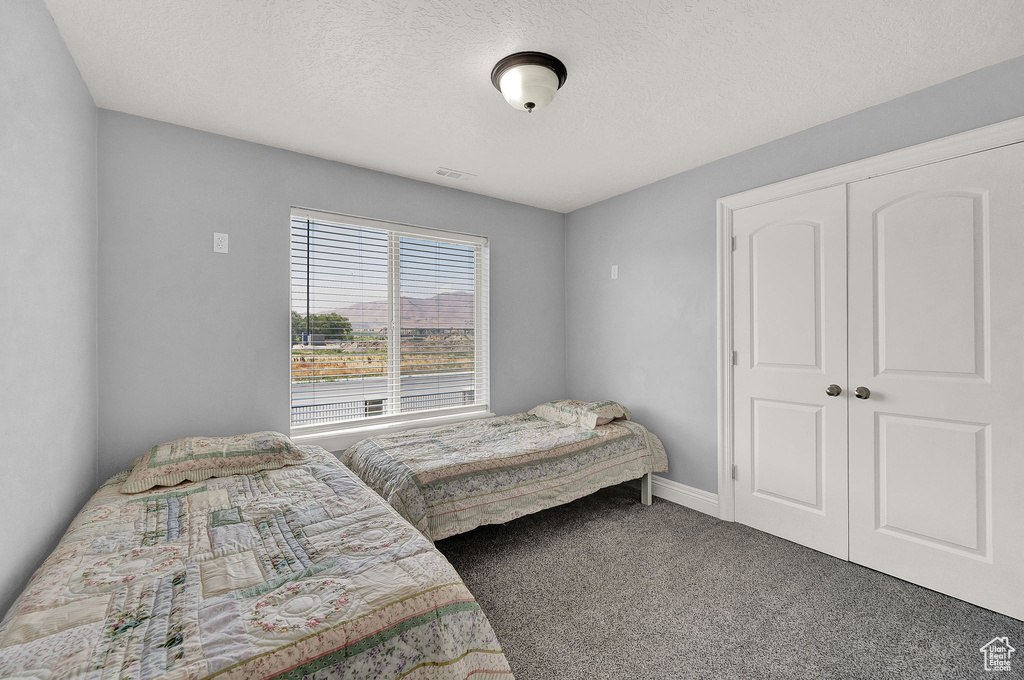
[{"x": 655, "y": 87}]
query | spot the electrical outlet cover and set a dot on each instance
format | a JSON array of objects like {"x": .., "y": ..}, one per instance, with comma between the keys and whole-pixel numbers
[{"x": 220, "y": 243}]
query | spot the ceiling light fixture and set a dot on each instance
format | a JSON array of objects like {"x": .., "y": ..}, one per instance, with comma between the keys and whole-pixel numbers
[{"x": 528, "y": 80}]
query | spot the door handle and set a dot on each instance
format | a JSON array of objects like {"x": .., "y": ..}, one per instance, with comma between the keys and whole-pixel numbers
[
  {"x": 833, "y": 390},
  {"x": 862, "y": 393}
]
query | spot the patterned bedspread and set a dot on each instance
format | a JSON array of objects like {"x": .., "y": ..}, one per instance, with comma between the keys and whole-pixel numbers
[
  {"x": 450, "y": 479},
  {"x": 300, "y": 572}
]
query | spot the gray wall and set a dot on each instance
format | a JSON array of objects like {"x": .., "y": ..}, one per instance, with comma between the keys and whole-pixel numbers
[
  {"x": 47, "y": 290},
  {"x": 648, "y": 338},
  {"x": 193, "y": 342}
]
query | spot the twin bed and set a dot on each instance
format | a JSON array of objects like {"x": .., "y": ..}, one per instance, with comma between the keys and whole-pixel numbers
[
  {"x": 289, "y": 573},
  {"x": 299, "y": 569},
  {"x": 449, "y": 480}
]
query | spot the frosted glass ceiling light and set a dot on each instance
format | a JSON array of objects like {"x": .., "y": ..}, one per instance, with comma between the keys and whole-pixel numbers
[{"x": 528, "y": 80}]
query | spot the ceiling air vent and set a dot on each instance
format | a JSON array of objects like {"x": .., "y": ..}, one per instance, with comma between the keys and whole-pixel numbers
[{"x": 454, "y": 174}]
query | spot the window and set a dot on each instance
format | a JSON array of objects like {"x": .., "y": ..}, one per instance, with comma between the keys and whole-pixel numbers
[{"x": 388, "y": 322}]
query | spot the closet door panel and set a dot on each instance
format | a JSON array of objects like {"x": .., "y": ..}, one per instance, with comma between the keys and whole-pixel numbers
[
  {"x": 790, "y": 337},
  {"x": 931, "y": 276},
  {"x": 785, "y": 280},
  {"x": 936, "y": 315}
]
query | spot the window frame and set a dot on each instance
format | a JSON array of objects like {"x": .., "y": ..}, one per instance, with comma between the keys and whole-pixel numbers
[{"x": 395, "y": 421}]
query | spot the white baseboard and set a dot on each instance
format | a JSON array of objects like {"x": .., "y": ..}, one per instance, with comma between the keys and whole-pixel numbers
[{"x": 688, "y": 496}]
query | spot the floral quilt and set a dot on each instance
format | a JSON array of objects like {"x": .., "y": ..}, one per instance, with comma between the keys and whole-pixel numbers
[
  {"x": 450, "y": 479},
  {"x": 298, "y": 572}
]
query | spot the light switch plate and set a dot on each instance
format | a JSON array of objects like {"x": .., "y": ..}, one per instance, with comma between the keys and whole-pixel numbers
[
  {"x": 220, "y": 243},
  {"x": 615, "y": 271}
]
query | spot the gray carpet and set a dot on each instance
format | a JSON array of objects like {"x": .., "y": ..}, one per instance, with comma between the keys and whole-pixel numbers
[{"x": 604, "y": 588}]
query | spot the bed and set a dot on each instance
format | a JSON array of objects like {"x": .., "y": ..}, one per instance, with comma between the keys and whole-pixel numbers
[
  {"x": 296, "y": 572},
  {"x": 451, "y": 479}
]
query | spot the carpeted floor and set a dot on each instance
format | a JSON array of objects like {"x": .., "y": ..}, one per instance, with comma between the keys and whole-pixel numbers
[{"x": 607, "y": 589}]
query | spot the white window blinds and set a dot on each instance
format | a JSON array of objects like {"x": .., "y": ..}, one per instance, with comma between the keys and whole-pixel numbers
[{"x": 388, "y": 322}]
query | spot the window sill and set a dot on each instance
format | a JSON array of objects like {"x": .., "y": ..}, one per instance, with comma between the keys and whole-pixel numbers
[{"x": 339, "y": 440}]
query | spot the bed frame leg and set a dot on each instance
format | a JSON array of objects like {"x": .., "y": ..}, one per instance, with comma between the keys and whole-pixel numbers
[{"x": 645, "y": 488}]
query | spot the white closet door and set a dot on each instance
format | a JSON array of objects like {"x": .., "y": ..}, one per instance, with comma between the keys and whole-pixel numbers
[
  {"x": 936, "y": 307},
  {"x": 790, "y": 337}
]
